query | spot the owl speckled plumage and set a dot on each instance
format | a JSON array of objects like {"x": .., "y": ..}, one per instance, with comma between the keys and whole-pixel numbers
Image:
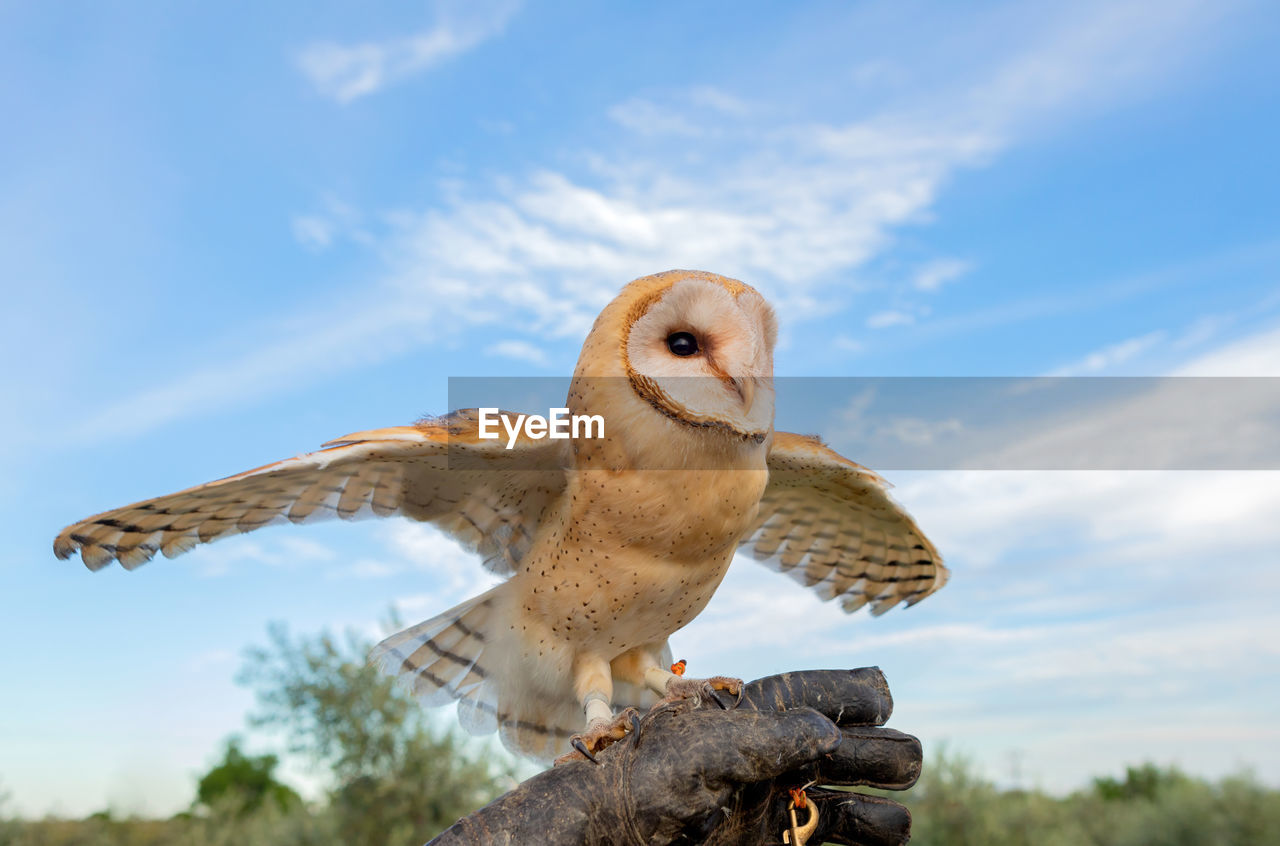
[{"x": 609, "y": 544}]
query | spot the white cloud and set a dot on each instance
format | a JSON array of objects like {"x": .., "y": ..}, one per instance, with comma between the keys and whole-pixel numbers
[
  {"x": 1257, "y": 355},
  {"x": 697, "y": 112},
  {"x": 318, "y": 230},
  {"x": 1110, "y": 356},
  {"x": 520, "y": 351},
  {"x": 792, "y": 206},
  {"x": 756, "y": 609},
  {"x": 648, "y": 118},
  {"x": 886, "y": 319},
  {"x": 313, "y": 231},
  {"x": 346, "y": 72},
  {"x": 848, "y": 344},
  {"x": 423, "y": 547},
  {"x": 369, "y": 568},
  {"x": 786, "y": 225},
  {"x": 1125, "y": 605},
  {"x": 1155, "y": 425},
  {"x": 720, "y": 101},
  {"x": 276, "y": 549},
  {"x": 1184, "y": 421},
  {"x": 1097, "y": 53},
  {"x": 306, "y": 348},
  {"x": 295, "y": 551},
  {"x": 1148, "y": 516},
  {"x": 935, "y": 274},
  {"x": 1134, "y": 516},
  {"x": 853, "y": 424}
]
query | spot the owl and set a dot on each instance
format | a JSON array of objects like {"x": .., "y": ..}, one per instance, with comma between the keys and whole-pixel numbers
[{"x": 609, "y": 543}]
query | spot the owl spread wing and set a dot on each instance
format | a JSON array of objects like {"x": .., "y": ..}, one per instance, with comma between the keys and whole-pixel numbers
[
  {"x": 439, "y": 471},
  {"x": 830, "y": 525}
]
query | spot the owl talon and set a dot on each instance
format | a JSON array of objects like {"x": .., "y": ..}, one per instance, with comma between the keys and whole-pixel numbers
[
  {"x": 700, "y": 690},
  {"x": 577, "y": 743},
  {"x": 581, "y": 752},
  {"x": 598, "y": 735}
]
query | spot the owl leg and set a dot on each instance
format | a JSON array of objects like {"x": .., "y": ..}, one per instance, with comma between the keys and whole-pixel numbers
[{"x": 593, "y": 684}]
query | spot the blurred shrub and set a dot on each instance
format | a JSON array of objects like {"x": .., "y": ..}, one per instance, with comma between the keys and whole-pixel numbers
[
  {"x": 393, "y": 779},
  {"x": 396, "y": 779},
  {"x": 245, "y": 780},
  {"x": 954, "y": 806}
]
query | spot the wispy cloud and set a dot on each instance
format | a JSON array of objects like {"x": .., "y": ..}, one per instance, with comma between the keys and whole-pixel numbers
[
  {"x": 1110, "y": 356},
  {"x": 557, "y": 247},
  {"x": 274, "y": 550},
  {"x": 1125, "y": 605},
  {"x": 520, "y": 351},
  {"x": 313, "y": 231},
  {"x": 346, "y": 72},
  {"x": 425, "y": 548},
  {"x": 1097, "y": 53},
  {"x": 791, "y": 205},
  {"x": 886, "y": 319},
  {"x": 317, "y": 230},
  {"x": 1151, "y": 515},
  {"x": 794, "y": 206},
  {"x": 306, "y": 348},
  {"x": 935, "y": 274},
  {"x": 695, "y": 112},
  {"x": 649, "y": 118},
  {"x": 1257, "y": 355},
  {"x": 845, "y": 343}
]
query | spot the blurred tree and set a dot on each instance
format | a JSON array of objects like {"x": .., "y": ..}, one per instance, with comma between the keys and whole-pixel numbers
[
  {"x": 248, "y": 781},
  {"x": 397, "y": 780},
  {"x": 10, "y": 828},
  {"x": 1144, "y": 782},
  {"x": 953, "y": 805}
]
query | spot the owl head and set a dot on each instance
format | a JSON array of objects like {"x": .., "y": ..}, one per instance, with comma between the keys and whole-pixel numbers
[{"x": 693, "y": 346}]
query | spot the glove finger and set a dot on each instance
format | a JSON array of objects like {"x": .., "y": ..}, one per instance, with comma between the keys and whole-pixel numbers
[
  {"x": 744, "y": 746},
  {"x": 869, "y": 757},
  {"x": 846, "y": 697},
  {"x": 858, "y": 820}
]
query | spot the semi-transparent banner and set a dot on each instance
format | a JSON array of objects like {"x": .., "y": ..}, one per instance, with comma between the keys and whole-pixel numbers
[{"x": 908, "y": 423}]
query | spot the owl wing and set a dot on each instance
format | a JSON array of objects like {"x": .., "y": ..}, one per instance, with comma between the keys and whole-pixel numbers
[
  {"x": 487, "y": 496},
  {"x": 830, "y": 524}
]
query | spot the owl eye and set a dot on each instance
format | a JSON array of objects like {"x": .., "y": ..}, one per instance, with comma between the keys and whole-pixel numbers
[{"x": 682, "y": 343}]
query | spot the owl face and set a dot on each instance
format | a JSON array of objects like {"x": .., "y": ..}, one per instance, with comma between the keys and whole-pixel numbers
[{"x": 701, "y": 352}]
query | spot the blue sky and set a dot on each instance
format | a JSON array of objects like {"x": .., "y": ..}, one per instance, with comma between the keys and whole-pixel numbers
[{"x": 234, "y": 232}]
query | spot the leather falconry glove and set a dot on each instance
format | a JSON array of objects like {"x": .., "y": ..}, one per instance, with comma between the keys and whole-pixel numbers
[{"x": 693, "y": 772}]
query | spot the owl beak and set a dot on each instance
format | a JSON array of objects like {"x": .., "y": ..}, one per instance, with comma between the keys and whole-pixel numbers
[{"x": 746, "y": 388}]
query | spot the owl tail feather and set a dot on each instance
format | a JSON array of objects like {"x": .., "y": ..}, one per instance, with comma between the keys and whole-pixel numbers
[
  {"x": 444, "y": 659},
  {"x": 440, "y": 659}
]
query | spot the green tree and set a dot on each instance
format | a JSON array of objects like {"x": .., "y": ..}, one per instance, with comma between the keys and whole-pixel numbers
[
  {"x": 396, "y": 779},
  {"x": 1145, "y": 782},
  {"x": 247, "y": 780}
]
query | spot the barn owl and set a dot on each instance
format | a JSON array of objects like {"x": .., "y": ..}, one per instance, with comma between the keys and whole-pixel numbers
[{"x": 608, "y": 544}]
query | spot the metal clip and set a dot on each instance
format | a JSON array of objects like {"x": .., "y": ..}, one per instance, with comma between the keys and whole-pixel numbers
[{"x": 798, "y": 835}]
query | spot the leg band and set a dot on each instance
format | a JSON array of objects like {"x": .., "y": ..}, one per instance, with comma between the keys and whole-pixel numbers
[
  {"x": 656, "y": 679},
  {"x": 597, "y": 707}
]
